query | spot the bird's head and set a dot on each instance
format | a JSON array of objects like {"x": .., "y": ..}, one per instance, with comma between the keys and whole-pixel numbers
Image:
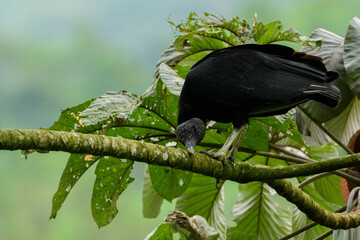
[{"x": 190, "y": 133}]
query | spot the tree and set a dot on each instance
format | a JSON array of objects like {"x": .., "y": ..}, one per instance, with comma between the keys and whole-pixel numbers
[{"x": 119, "y": 128}]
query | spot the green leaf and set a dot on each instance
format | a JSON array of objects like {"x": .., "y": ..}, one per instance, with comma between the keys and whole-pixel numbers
[
  {"x": 332, "y": 51},
  {"x": 75, "y": 168},
  {"x": 198, "y": 36},
  {"x": 204, "y": 199},
  {"x": 168, "y": 182},
  {"x": 315, "y": 195},
  {"x": 161, "y": 232},
  {"x": 112, "y": 178},
  {"x": 347, "y": 123},
  {"x": 273, "y": 31},
  {"x": 328, "y": 187},
  {"x": 285, "y": 125},
  {"x": 255, "y": 137},
  {"x": 155, "y": 117},
  {"x": 256, "y": 213},
  {"x": 352, "y": 55},
  {"x": 69, "y": 119},
  {"x": 151, "y": 200}
]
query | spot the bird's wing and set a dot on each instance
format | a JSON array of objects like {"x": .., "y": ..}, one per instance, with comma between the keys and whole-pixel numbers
[{"x": 258, "y": 75}]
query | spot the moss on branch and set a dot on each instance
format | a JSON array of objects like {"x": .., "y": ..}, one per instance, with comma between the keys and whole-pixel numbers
[{"x": 241, "y": 172}]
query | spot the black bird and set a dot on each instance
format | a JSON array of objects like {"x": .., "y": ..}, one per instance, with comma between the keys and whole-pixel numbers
[{"x": 235, "y": 83}]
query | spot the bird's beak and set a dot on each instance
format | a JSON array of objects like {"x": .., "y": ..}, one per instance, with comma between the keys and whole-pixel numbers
[
  {"x": 190, "y": 147},
  {"x": 191, "y": 150}
]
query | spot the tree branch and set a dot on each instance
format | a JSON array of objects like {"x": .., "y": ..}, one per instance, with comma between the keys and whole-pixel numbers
[{"x": 241, "y": 172}]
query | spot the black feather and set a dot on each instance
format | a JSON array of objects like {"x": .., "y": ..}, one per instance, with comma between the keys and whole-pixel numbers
[{"x": 231, "y": 84}]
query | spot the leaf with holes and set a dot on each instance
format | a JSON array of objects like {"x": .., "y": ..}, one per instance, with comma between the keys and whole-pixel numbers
[
  {"x": 204, "y": 199},
  {"x": 112, "y": 178},
  {"x": 76, "y": 166}
]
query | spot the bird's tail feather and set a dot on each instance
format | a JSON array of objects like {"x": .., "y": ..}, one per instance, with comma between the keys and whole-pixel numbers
[{"x": 328, "y": 95}]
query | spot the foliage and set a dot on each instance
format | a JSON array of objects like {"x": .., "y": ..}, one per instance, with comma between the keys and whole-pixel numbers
[
  {"x": 341, "y": 55},
  {"x": 152, "y": 117}
]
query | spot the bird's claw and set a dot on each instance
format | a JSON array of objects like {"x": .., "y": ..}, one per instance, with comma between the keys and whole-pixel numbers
[{"x": 218, "y": 156}]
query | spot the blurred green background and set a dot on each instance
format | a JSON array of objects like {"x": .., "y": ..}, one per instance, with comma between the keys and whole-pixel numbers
[{"x": 57, "y": 54}]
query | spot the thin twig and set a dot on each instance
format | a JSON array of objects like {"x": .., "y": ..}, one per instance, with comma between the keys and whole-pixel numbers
[
  {"x": 324, "y": 235},
  {"x": 345, "y": 173},
  {"x": 297, "y": 232},
  {"x": 313, "y": 178},
  {"x": 325, "y": 130},
  {"x": 311, "y": 225}
]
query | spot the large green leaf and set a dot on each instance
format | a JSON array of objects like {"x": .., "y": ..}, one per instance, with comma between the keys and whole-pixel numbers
[
  {"x": 155, "y": 118},
  {"x": 151, "y": 200},
  {"x": 204, "y": 199},
  {"x": 285, "y": 125},
  {"x": 328, "y": 187},
  {"x": 76, "y": 166},
  {"x": 258, "y": 215},
  {"x": 168, "y": 182},
  {"x": 352, "y": 55},
  {"x": 347, "y": 123},
  {"x": 332, "y": 51},
  {"x": 112, "y": 178},
  {"x": 89, "y": 117},
  {"x": 69, "y": 119}
]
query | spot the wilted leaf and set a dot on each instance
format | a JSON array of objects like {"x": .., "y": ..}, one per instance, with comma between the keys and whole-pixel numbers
[{"x": 112, "y": 106}]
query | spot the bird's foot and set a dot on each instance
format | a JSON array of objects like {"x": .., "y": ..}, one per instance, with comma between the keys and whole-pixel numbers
[{"x": 221, "y": 156}]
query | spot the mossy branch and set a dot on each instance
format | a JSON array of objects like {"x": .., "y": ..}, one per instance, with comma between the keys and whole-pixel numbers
[{"x": 198, "y": 163}]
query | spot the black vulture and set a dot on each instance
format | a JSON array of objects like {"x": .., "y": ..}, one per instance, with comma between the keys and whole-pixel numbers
[{"x": 250, "y": 80}]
